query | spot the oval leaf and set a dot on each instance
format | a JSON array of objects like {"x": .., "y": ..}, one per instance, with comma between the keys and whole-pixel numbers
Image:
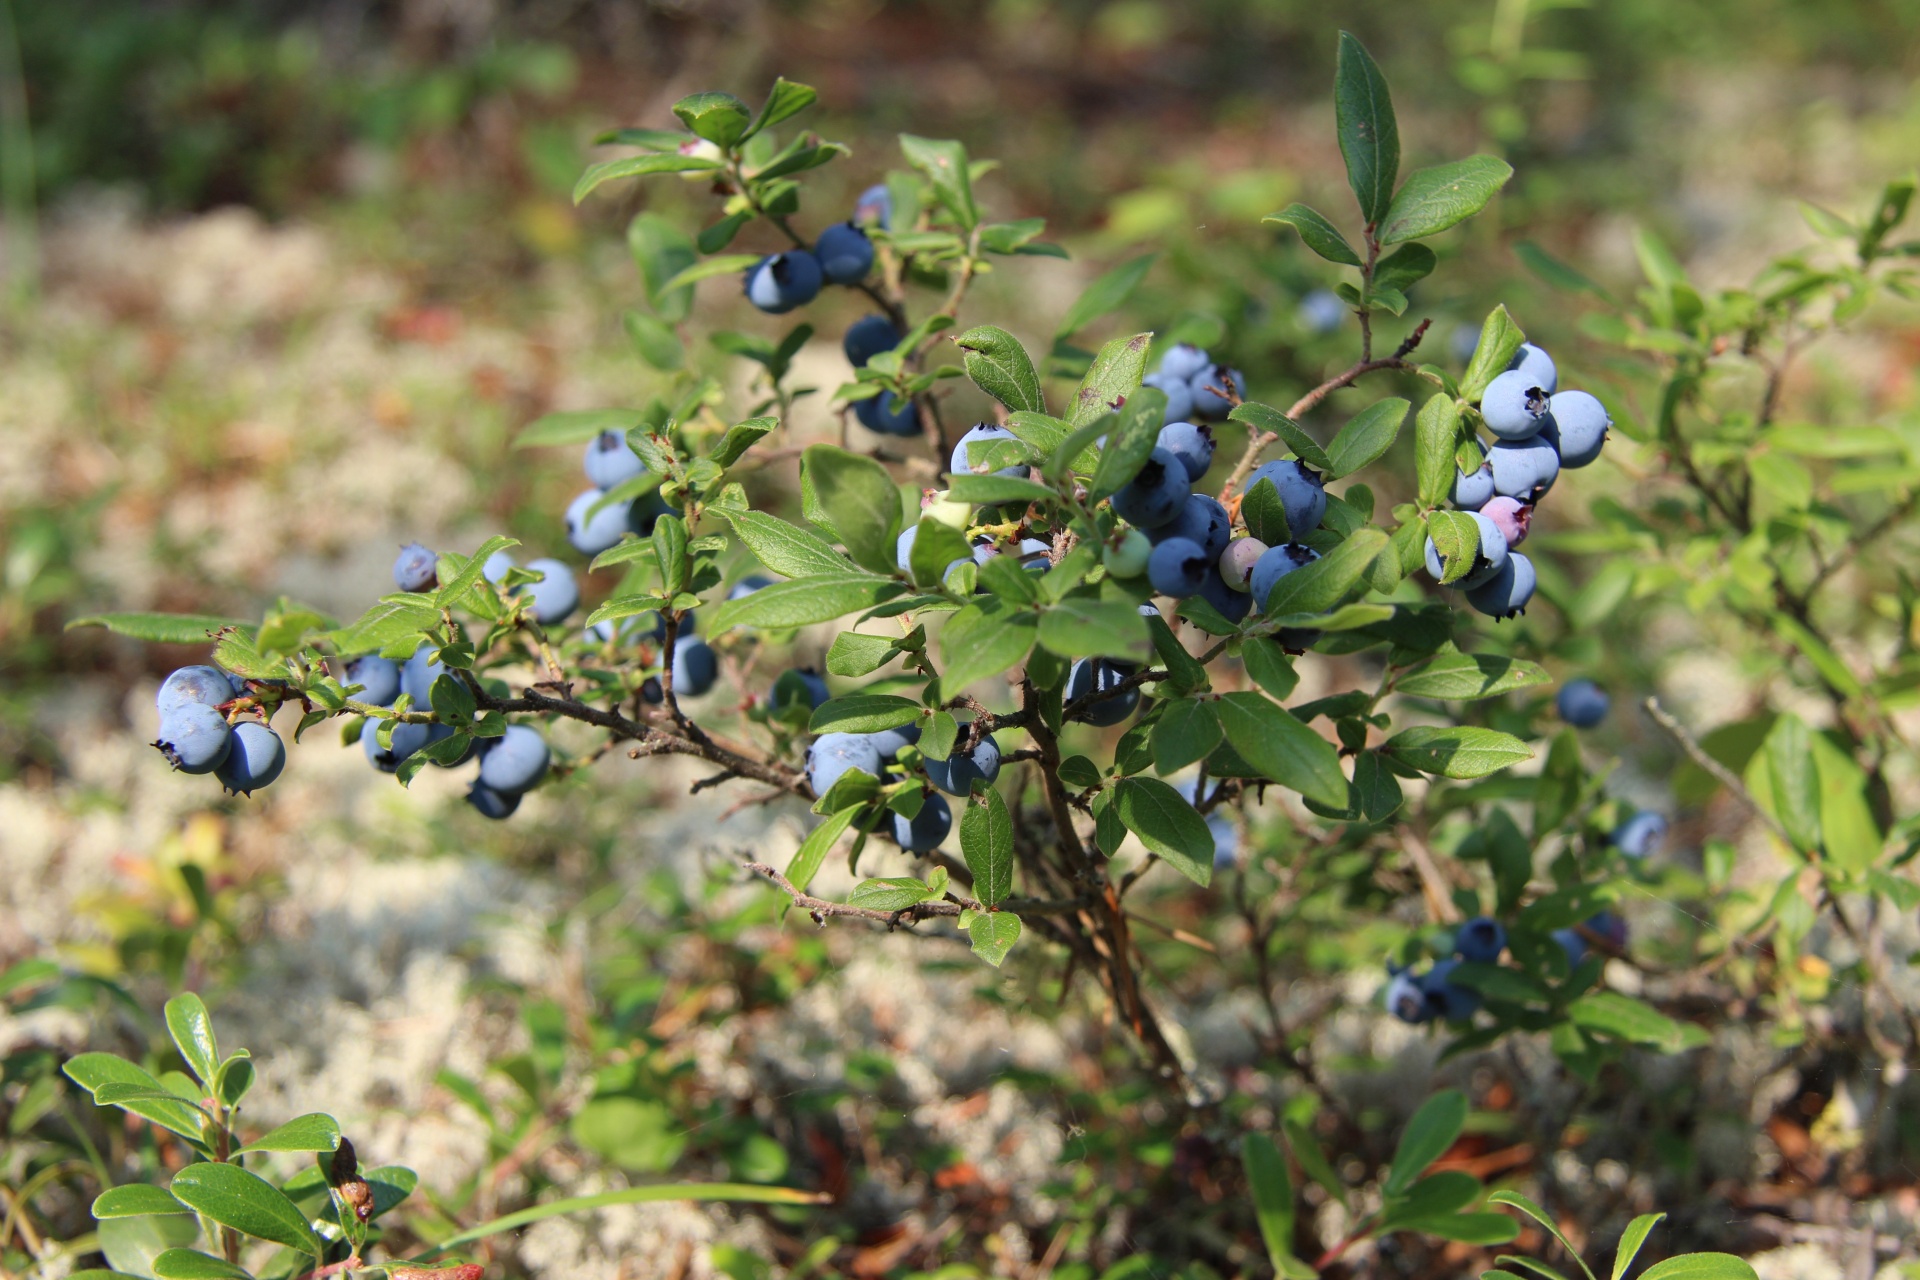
[
  {"x": 1434, "y": 199},
  {"x": 1431, "y": 1131},
  {"x": 246, "y": 1202},
  {"x": 1320, "y": 235},
  {"x": 863, "y": 713},
  {"x": 314, "y": 1132},
  {"x": 1271, "y": 740},
  {"x": 1168, "y": 825},
  {"x": 135, "y": 1200},
  {"x": 1456, "y": 751}
]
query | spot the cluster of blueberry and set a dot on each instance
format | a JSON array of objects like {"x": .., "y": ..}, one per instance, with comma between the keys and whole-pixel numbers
[
  {"x": 792, "y": 278},
  {"x": 1538, "y": 430},
  {"x": 1434, "y": 995},
  {"x": 593, "y": 523},
  {"x": 197, "y": 737},
  {"x": 834, "y": 754}
]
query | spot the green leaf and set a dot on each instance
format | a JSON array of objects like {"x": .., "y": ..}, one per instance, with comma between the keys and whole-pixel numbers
[
  {"x": 983, "y": 640},
  {"x": 1270, "y": 666},
  {"x": 740, "y": 437},
  {"x": 158, "y": 628},
  {"x": 1625, "y": 1018},
  {"x": 1369, "y": 136},
  {"x": 785, "y": 548},
  {"x": 1112, "y": 379},
  {"x": 1370, "y": 434},
  {"x": 1430, "y": 1132},
  {"x": 819, "y": 843},
  {"x": 575, "y": 426},
  {"x": 820, "y": 598},
  {"x": 1313, "y": 1161},
  {"x": 1186, "y": 733},
  {"x": 1630, "y": 1241},
  {"x": 993, "y": 934},
  {"x": 662, "y": 250},
  {"x": 1456, "y": 536},
  {"x": 1104, "y": 295},
  {"x": 1437, "y": 198},
  {"x": 637, "y": 167},
  {"x": 1167, "y": 824},
  {"x": 1513, "y": 1199},
  {"x": 720, "y": 118},
  {"x": 1328, "y": 581},
  {"x": 1848, "y": 832},
  {"x": 655, "y": 1193},
  {"x": 1456, "y": 751},
  {"x": 1446, "y": 1192},
  {"x": 1083, "y": 627},
  {"x": 995, "y": 490},
  {"x": 1404, "y": 268},
  {"x": 312, "y": 1132},
  {"x": 1281, "y": 748},
  {"x": 654, "y": 340},
  {"x": 945, "y": 164},
  {"x": 1320, "y": 235},
  {"x": 1701, "y": 1266},
  {"x": 94, "y": 1071},
  {"x": 1130, "y": 442},
  {"x": 135, "y": 1200},
  {"x": 1001, "y": 367},
  {"x": 726, "y": 264},
  {"x": 894, "y": 893},
  {"x": 638, "y": 1134},
  {"x": 1436, "y": 429},
  {"x": 191, "y": 1264},
  {"x": 784, "y": 100},
  {"x": 935, "y": 547},
  {"x": 1265, "y": 514},
  {"x": 191, "y": 1027},
  {"x": 1500, "y": 338},
  {"x": 246, "y": 1202},
  {"x": 1264, "y": 417},
  {"x": 937, "y": 738},
  {"x": 854, "y": 499},
  {"x": 1272, "y": 1188},
  {"x": 863, "y": 713},
  {"x": 1467, "y": 676},
  {"x": 234, "y": 1078},
  {"x": 986, "y": 840},
  {"x": 1468, "y": 1228},
  {"x": 853, "y": 654}
]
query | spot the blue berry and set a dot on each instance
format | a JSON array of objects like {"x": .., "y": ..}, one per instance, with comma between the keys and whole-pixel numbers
[
  {"x": 1514, "y": 407},
  {"x": 1274, "y": 564},
  {"x": 1035, "y": 556},
  {"x": 1488, "y": 559},
  {"x": 1447, "y": 1001},
  {"x": 835, "y": 754},
  {"x": 592, "y": 534},
  {"x": 1610, "y": 927},
  {"x": 1231, "y": 605},
  {"x": 1303, "y": 494},
  {"x": 1089, "y": 676},
  {"x": 845, "y": 253},
  {"x": 440, "y": 732},
  {"x": 497, "y": 805},
  {"x": 1583, "y": 704},
  {"x": 1405, "y": 1000},
  {"x": 924, "y": 832},
  {"x": 647, "y": 510},
  {"x": 1471, "y": 492},
  {"x": 188, "y": 686},
  {"x": 193, "y": 737},
  {"x": 1193, "y": 445},
  {"x": 1640, "y": 835},
  {"x": 1511, "y": 517},
  {"x": 888, "y": 415},
  {"x": 418, "y": 675},
  {"x": 1203, "y": 520},
  {"x": 799, "y": 687},
  {"x": 378, "y": 677},
  {"x": 1209, "y": 403},
  {"x": 1524, "y": 469},
  {"x": 1183, "y": 360},
  {"x": 1179, "y": 395},
  {"x": 254, "y": 759},
  {"x": 1155, "y": 495},
  {"x": 1505, "y": 595},
  {"x": 1321, "y": 311},
  {"x": 867, "y": 337},
  {"x": 1226, "y": 841},
  {"x": 1578, "y": 427},
  {"x": 407, "y": 739},
  {"x": 1537, "y": 366},
  {"x": 780, "y": 282},
  {"x": 889, "y": 741},
  {"x": 609, "y": 461},
  {"x": 958, "y": 772},
  {"x": 961, "y": 462},
  {"x": 1178, "y": 567},
  {"x": 1463, "y": 343},
  {"x": 516, "y": 760},
  {"x": 695, "y": 666},
  {"x": 1480, "y": 940},
  {"x": 874, "y": 207},
  {"x": 748, "y": 585},
  {"x": 1572, "y": 943},
  {"x": 413, "y": 570},
  {"x": 496, "y": 566},
  {"x": 556, "y": 595}
]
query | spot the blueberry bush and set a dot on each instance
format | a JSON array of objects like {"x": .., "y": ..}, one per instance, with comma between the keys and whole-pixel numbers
[{"x": 1032, "y": 665}]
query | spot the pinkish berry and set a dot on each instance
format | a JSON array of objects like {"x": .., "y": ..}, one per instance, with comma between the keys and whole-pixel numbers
[
  {"x": 1510, "y": 516},
  {"x": 1237, "y": 561}
]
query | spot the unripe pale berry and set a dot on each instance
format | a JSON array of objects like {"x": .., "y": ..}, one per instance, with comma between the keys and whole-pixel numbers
[
  {"x": 1510, "y": 516},
  {"x": 1237, "y": 561},
  {"x": 936, "y": 505},
  {"x": 1128, "y": 557}
]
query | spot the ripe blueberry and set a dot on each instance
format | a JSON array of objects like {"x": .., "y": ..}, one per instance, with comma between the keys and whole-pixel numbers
[
  {"x": 1446, "y": 1000},
  {"x": 1488, "y": 559},
  {"x": 407, "y": 739},
  {"x": 1179, "y": 393},
  {"x": 889, "y": 741},
  {"x": 1178, "y": 567},
  {"x": 1537, "y": 366},
  {"x": 1183, "y": 360},
  {"x": 556, "y": 595},
  {"x": 516, "y": 760},
  {"x": 748, "y": 585},
  {"x": 1155, "y": 495},
  {"x": 1092, "y": 676},
  {"x": 496, "y": 566},
  {"x": 1193, "y": 445},
  {"x": 888, "y": 415},
  {"x": 1583, "y": 704},
  {"x": 1480, "y": 940},
  {"x": 1237, "y": 561},
  {"x": 1524, "y": 469},
  {"x": 1274, "y": 564},
  {"x": 413, "y": 569},
  {"x": 1203, "y": 520},
  {"x": 958, "y": 772},
  {"x": 845, "y": 253},
  {"x": 592, "y": 534},
  {"x": 983, "y": 433},
  {"x": 1303, "y": 494},
  {"x": 1579, "y": 427},
  {"x": 1640, "y": 835},
  {"x": 1226, "y": 840},
  {"x": 378, "y": 678},
  {"x": 1405, "y": 1000},
  {"x": 1505, "y": 595},
  {"x": 1321, "y": 311},
  {"x": 1230, "y": 604},
  {"x": 780, "y": 282},
  {"x": 493, "y": 804},
  {"x": 202, "y": 685},
  {"x": 874, "y": 207},
  {"x": 193, "y": 737},
  {"x": 254, "y": 759},
  {"x": 1472, "y": 492},
  {"x": 609, "y": 461},
  {"x": 1207, "y": 385},
  {"x": 867, "y": 337},
  {"x": 924, "y": 832},
  {"x": 1514, "y": 407},
  {"x": 834, "y": 754},
  {"x": 695, "y": 666},
  {"x": 799, "y": 687}
]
